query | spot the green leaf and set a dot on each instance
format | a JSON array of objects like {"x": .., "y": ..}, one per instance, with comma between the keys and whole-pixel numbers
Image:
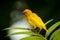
[
  {"x": 48, "y": 21},
  {"x": 16, "y": 28},
  {"x": 54, "y": 26},
  {"x": 30, "y": 33},
  {"x": 34, "y": 38},
  {"x": 55, "y": 35}
]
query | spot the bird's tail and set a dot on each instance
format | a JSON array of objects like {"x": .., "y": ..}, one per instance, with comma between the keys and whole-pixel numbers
[{"x": 45, "y": 29}]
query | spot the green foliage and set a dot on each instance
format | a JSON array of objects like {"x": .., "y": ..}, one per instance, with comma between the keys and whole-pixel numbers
[
  {"x": 54, "y": 26},
  {"x": 15, "y": 28},
  {"x": 55, "y": 35},
  {"x": 36, "y": 36},
  {"x": 49, "y": 21},
  {"x": 30, "y": 33}
]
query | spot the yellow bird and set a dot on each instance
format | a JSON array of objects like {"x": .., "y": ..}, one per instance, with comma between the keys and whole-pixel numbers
[{"x": 34, "y": 20}]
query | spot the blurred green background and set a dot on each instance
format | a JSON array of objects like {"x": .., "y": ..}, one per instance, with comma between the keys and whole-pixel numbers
[{"x": 46, "y": 9}]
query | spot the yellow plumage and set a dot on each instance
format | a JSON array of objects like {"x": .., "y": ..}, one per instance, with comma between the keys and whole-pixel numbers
[{"x": 34, "y": 20}]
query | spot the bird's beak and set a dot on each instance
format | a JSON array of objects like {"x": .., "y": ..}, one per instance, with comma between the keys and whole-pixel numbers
[{"x": 24, "y": 11}]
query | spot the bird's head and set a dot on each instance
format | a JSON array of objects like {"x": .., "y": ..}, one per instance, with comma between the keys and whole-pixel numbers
[{"x": 27, "y": 12}]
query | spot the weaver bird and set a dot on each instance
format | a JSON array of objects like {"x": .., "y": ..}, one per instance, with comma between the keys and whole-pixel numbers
[{"x": 34, "y": 20}]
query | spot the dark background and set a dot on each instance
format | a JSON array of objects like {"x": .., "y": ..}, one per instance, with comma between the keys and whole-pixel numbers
[{"x": 46, "y": 9}]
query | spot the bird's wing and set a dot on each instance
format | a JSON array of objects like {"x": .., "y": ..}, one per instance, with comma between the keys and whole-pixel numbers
[
  {"x": 32, "y": 23},
  {"x": 37, "y": 17},
  {"x": 39, "y": 21},
  {"x": 29, "y": 20}
]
